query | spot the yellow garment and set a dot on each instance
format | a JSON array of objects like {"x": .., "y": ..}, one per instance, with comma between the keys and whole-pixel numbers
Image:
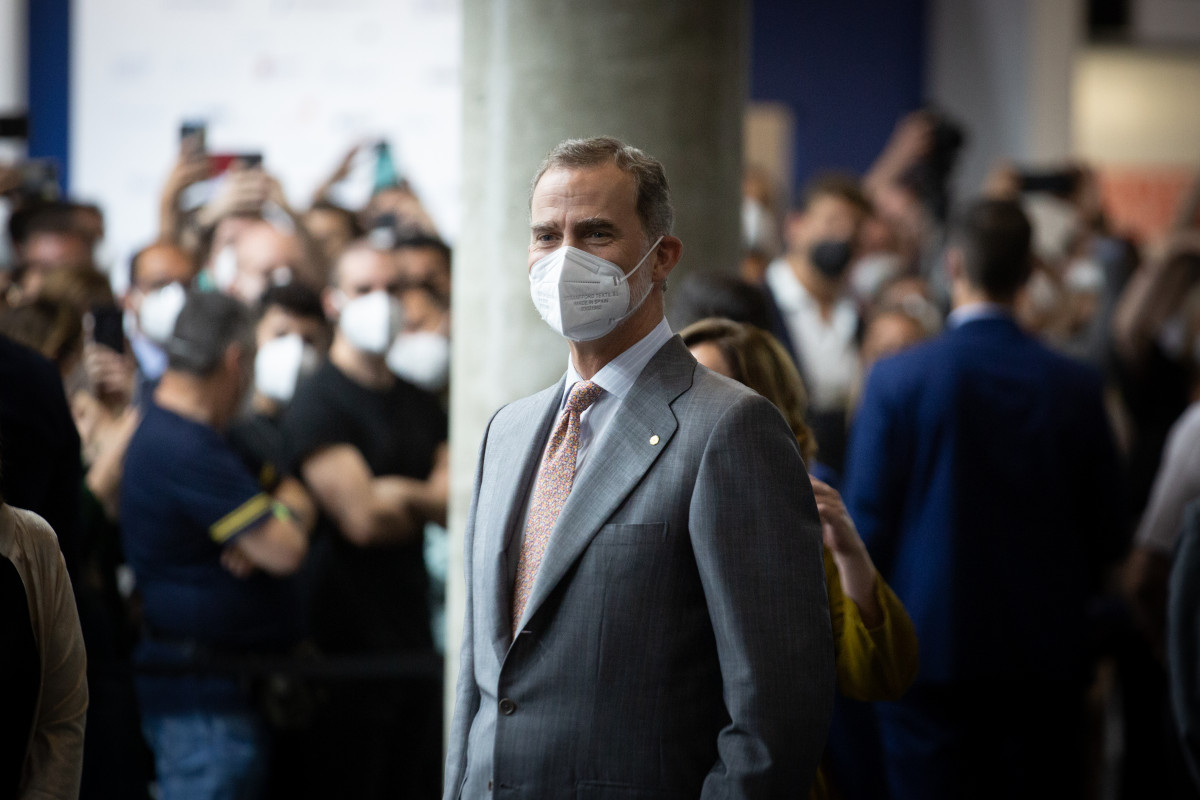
[{"x": 877, "y": 663}]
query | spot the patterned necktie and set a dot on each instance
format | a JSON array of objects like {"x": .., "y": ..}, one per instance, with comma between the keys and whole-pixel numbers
[{"x": 550, "y": 491}]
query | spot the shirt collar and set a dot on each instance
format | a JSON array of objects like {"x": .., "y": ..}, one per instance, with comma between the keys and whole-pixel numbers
[
  {"x": 618, "y": 376},
  {"x": 787, "y": 289},
  {"x": 973, "y": 311},
  {"x": 792, "y": 296}
]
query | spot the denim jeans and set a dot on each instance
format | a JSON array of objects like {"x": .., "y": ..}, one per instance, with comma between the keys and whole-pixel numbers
[{"x": 208, "y": 756}]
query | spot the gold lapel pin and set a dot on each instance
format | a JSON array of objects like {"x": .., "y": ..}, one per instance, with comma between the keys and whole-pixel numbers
[{"x": 654, "y": 439}]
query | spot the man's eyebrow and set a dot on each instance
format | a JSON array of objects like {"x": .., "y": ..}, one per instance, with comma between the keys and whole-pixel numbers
[
  {"x": 594, "y": 223},
  {"x": 543, "y": 227}
]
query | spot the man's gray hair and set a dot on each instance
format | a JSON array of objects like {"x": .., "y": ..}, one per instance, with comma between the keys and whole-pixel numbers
[
  {"x": 650, "y": 181},
  {"x": 208, "y": 324}
]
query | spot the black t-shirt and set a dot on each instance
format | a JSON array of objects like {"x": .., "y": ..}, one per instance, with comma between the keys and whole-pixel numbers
[
  {"x": 258, "y": 441},
  {"x": 365, "y": 599}
]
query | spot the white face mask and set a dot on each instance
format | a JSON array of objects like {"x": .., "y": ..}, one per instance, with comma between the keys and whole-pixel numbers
[
  {"x": 759, "y": 232},
  {"x": 1085, "y": 276},
  {"x": 280, "y": 364},
  {"x": 872, "y": 271},
  {"x": 159, "y": 310},
  {"x": 421, "y": 358},
  {"x": 225, "y": 269},
  {"x": 371, "y": 322},
  {"x": 582, "y": 296}
]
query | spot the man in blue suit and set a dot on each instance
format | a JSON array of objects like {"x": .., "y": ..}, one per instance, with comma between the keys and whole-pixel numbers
[{"x": 983, "y": 478}]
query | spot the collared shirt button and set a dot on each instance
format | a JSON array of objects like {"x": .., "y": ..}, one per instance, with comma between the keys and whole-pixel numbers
[{"x": 507, "y": 707}]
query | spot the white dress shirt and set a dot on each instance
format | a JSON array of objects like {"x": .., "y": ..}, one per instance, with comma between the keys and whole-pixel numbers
[
  {"x": 973, "y": 311},
  {"x": 827, "y": 349},
  {"x": 616, "y": 378}
]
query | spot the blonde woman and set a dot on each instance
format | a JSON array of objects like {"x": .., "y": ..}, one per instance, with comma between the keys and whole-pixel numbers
[{"x": 875, "y": 644}]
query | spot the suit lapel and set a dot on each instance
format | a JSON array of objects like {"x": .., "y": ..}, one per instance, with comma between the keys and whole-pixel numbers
[
  {"x": 618, "y": 463},
  {"x": 517, "y": 469}
]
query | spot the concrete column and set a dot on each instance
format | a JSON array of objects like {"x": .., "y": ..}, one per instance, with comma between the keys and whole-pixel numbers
[
  {"x": 667, "y": 76},
  {"x": 1005, "y": 69}
]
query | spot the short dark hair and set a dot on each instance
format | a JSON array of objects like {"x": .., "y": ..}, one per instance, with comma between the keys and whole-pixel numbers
[
  {"x": 649, "y": 179},
  {"x": 52, "y": 217},
  {"x": 348, "y": 216},
  {"x": 841, "y": 185},
  {"x": 725, "y": 296},
  {"x": 208, "y": 324},
  {"x": 423, "y": 241},
  {"x": 995, "y": 239},
  {"x": 294, "y": 298}
]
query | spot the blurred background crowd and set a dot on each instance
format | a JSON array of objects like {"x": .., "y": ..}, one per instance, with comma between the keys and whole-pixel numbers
[
  {"x": 267, "y": 376},
  {"x": 850, "y": 274}
]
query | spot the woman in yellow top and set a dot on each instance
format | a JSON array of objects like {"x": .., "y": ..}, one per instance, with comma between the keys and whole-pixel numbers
[{"x": 875, "y": 644}]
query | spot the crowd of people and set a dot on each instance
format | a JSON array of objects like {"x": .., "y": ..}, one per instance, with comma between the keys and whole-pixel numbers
[
  {"x": 248, "y": 479},
  {"x": 244, "y": 458}
]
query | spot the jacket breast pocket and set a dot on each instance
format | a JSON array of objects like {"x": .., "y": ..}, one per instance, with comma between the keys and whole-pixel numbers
[{"x": 631, "y": 535}]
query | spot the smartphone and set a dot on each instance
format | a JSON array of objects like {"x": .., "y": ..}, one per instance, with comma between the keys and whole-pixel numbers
[
  {"x": 194, "y": 132},
  {"x": 219, "y": 163},
  {"x": 107, "y": 327},
  {"x": 39, "y": 179},
  {"x": 1061, "y": 182}
]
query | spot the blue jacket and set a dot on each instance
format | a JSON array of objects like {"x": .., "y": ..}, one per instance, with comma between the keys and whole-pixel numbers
[{"x": 984, "y": 480}]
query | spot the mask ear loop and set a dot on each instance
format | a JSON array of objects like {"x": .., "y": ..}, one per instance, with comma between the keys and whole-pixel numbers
[
  {"x": 638, "y": 266},
  {"x": 649, "y": 286}
]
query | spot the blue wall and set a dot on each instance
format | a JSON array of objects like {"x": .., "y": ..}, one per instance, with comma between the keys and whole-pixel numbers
[
  {"x": 848, "y": 69},
  {"x": 49, "y": 71}
]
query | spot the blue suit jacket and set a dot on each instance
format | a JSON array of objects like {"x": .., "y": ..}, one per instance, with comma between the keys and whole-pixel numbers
[{"x": 984, "y": 480}]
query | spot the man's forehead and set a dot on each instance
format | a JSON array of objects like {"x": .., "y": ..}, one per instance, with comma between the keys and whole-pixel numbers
[
  {"x": 604, "y": 187},
  {"x": 362, "y": 263}
]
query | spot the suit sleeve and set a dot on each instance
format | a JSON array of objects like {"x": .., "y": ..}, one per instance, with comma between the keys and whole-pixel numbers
[
  {"x": 874, "y": 475},
  {"x": 466, "y": 695},
  {"x": 1102, "y": 483},
  {"x": 757, "y": 541}
]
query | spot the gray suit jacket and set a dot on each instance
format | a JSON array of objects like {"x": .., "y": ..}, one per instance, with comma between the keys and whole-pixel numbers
[{"x": 677, "y": 641}]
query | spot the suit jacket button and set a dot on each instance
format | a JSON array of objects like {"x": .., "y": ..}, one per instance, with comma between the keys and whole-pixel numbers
[{"x": 507, "y": 707}]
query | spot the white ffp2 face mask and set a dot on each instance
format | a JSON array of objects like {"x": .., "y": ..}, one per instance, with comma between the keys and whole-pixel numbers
[
  {"x": 421, "y": 358},
  {"x": 159, "y": 310},
  {"x": 582, "y": 296},
  {"x": 371, "y": 322},
  {"x": 280, "y": 364}
]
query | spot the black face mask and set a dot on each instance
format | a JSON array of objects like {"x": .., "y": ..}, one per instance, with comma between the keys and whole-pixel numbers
[{"x": 830, "y": 257}]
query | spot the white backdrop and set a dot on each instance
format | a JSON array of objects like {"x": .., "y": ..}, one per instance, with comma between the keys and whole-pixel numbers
[{"x": 298, "y": 80}]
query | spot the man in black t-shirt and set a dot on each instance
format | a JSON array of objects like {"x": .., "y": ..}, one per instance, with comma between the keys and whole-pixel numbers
[
  {"x": 293, "y": 337},
  {"x": 371, "y": 449}
]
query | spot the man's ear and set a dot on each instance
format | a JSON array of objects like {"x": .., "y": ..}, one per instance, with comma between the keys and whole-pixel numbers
[
  {"x": 955, "y": 267},
  {"x": 793, "y": 230},
  {"x": 331, "y": 300},
  {"x": 666, "y": 256},
  {"x": 234, "y": 358}
]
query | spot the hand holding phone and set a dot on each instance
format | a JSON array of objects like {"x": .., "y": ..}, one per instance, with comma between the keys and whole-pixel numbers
[{"x": 105, "y": 325}]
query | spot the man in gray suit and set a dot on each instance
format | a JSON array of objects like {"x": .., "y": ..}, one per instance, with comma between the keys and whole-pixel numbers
[{"x": 646, "y": 609}]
